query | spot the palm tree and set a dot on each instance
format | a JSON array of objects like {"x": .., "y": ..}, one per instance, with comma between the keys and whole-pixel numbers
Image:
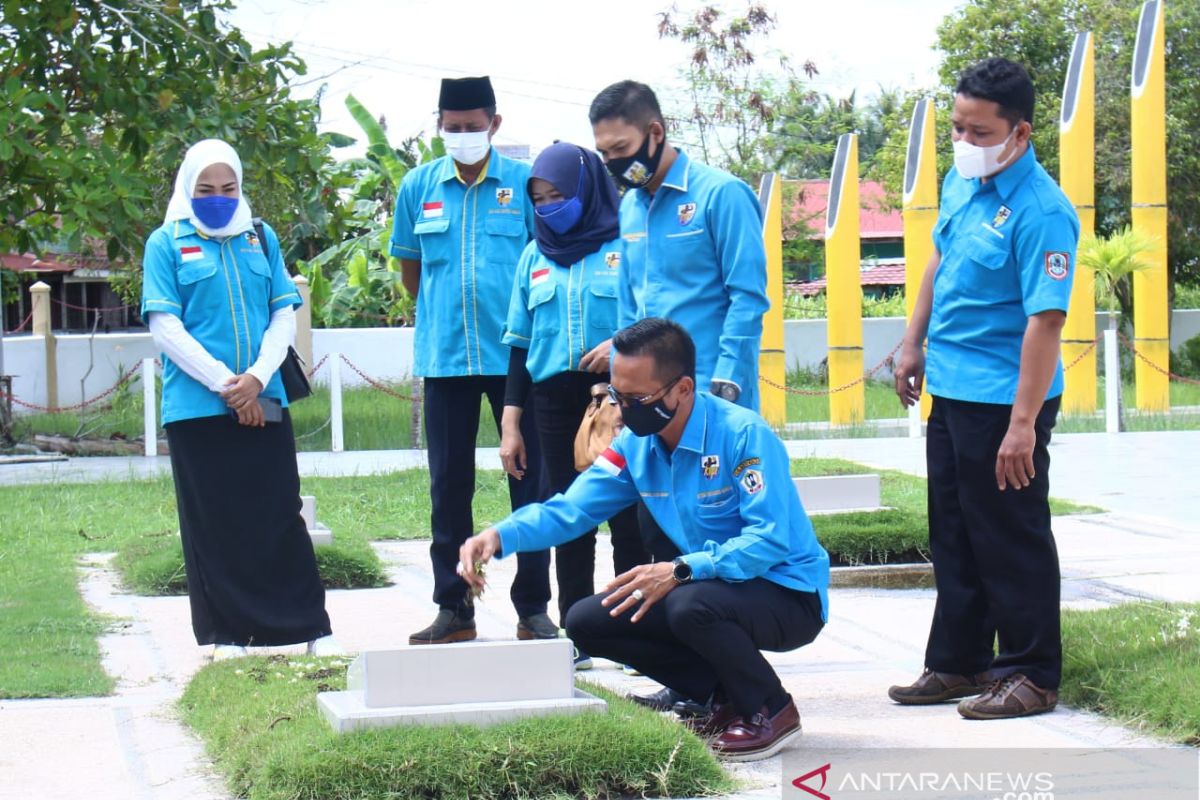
[{"x": 1114, "y": 259}]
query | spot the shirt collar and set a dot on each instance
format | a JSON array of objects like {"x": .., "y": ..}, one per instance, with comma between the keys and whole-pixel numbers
[
  {"x": 695, "y": 432},
  {"x": 184, "y": 227},
  {"x": 1009, "y": 179},
  {"x": 493, "y": 169},
  {"x": 677, "y": 176}
]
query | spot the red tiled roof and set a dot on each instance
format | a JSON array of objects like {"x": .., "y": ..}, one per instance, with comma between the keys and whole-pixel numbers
[
  {"x": 875, "y": 221},
  {"x": 889, "y": 274},
  {"x": 28, "y": 262}
]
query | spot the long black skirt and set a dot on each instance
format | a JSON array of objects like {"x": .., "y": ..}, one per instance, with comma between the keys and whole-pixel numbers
[{"x": 252, "y": 577}]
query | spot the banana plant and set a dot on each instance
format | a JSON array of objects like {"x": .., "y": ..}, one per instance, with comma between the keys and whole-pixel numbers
[{"x": 355, "y": 282}]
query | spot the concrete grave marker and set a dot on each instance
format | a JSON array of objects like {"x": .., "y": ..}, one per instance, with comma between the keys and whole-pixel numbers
[
  {"x": 320, "y": 534},
  {"x": 480, "y": 683}
]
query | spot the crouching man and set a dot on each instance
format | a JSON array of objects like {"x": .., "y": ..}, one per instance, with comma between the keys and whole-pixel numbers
[{"x": 749, "y": 576}]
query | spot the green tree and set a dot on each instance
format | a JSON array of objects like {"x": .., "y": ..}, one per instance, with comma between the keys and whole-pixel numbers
[
  {"x": 102, "y": 98},
  {"x": 1039, "y": 34}
]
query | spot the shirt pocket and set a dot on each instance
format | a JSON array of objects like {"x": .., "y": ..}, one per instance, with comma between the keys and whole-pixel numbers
[
  {"x": 543, "y": 310},
  {"x": 434, "y": 236},
  {"x": 602, "y": 308},
  {"x": 987, "y": 275},
  {"x": 506, "y": 236},
  {"x": 687, "y": 239},
  {"x": 193, "y": 273},
  {"x": 717, "y": 508}
]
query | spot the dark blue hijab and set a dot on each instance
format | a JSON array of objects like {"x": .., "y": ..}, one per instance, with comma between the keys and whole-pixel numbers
[{"x": 560, "y": 165}]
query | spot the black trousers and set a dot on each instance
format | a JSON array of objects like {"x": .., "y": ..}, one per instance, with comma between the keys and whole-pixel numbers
[
  {"x": 705, "y": 637},
  {"x": 451, "y": 426},
  {"x": 560, "y": 402},
  {"x": 994, "y": 558}
]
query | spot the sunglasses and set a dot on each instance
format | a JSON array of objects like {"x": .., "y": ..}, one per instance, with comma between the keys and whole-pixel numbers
[{"x": 634, "y": 400}]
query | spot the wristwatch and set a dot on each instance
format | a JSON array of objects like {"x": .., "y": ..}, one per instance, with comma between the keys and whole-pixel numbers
[
  {"x": 726, "y": 390},
  {"x": 681, "y": 571}
]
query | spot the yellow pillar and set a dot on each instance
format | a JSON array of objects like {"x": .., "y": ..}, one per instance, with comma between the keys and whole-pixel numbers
[
  {"x": 844, "y": 286},
  {"x": 39, "y": 296},
  {"x": 1149, "y": 151},
  {"x": 1077, "y": 175},
  {"x": 920, "y": 208},
  {"x": 772, "y": 365}
]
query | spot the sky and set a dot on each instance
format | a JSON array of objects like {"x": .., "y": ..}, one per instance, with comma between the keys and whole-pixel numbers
[{"x": 548, "y": 58}]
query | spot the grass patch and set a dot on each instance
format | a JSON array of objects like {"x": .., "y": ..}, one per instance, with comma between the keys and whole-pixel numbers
[
  {"x": 1138, "y": 663},
  {"x": 899, "y": 533},
  {"x": 50, "y": 634},
  {"x": 153, "y": 565},
  {"x": 259, "y": 722}
]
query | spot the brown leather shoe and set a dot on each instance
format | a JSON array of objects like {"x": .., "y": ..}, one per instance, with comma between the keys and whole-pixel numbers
[
  {"x": 937, "y": 687},
  {"x": 759, "y": 736},
  {"x": 1011, "y": 696},
  {"x": 718, "y": 718}
]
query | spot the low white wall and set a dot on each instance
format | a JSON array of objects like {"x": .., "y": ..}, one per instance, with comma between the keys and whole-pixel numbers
[{"x": 386, "y": 353}]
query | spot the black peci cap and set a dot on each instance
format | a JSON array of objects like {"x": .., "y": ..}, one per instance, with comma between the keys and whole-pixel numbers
[{"x": 466, "y": 94}]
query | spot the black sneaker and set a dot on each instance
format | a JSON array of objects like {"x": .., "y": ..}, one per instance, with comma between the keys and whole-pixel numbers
[
  {"x": 536, "y": 626},
  {"x": 447, "y": 627}
]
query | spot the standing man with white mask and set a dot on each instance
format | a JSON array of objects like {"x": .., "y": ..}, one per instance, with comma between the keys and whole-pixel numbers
[
  {"x": 461, "y": 224},
  {"x": 993, "y": 303}
]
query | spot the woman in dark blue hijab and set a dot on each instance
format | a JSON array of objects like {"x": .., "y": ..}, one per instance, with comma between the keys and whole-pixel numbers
[{"x": 561, "y": 318}]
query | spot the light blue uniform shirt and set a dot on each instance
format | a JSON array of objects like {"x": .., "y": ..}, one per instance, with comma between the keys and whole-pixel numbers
[
  {"x": 1007, "y": 252},
  {"x": 560, "y": 313},
  {"x": 468, "y": 240},
  {"x": 224, "y": 292},
  {"x": 725, "y": 497},
  {"x": 694, "y": 254}
]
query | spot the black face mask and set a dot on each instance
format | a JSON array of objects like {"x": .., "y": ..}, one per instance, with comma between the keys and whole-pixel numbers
[
  {"x": 638, "y": 169},
  {"x": 648, "y": 419}
]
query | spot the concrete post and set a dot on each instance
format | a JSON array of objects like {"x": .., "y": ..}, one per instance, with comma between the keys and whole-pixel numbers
[
  {"x": 337, "y": 440},
  {"x": 304, "y": 321},
  {"x": 149, "y": 412},
  {"x": 39, "y": 294}
]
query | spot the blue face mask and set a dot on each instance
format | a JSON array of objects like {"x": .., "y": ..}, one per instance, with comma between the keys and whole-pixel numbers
[
  {"x": 214, "y": 212},
  {"x": 561, "y": 215}
]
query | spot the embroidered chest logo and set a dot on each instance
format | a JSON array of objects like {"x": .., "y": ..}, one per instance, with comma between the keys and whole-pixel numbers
[
  {"x": 752, "y": 481},
  {"x": 1002, "y": 215},
  {"x": 251, "y": 239},
  {"x": 431, "y": 210},
  {"x": 504, "y": 196},
  {"x": 686, "y": 212},
  {"x": 711, "y": 465},
  {"x": 1058, "y": 264},
  {"x": 193, "y": 253},
  {"x": 612, "y": 260}
]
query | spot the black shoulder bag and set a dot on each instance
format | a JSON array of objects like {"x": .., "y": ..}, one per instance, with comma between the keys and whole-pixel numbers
[{"x": 291, "y": 371}]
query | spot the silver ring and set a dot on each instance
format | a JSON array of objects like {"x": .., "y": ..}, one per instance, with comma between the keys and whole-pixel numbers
[{"x": 636, "y": 594}]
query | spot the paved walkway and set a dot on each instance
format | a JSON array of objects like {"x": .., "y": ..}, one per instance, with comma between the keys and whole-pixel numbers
[{"x": 130, "y": 745}]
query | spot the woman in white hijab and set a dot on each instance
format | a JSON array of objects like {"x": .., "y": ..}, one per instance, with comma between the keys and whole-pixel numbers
[{"x": 220, "y": 305}]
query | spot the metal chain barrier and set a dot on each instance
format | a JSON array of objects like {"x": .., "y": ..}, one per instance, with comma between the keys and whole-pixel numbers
[
  {"x": 821, "y": 392},
  {"x": 24, "y": 322},
  {"x": 65, "y": 304},
  {"x": 1170, "y": 375},
  {"x": 318, "y": 366},
  {"x": 378, "y": 385},
  {"x": 121, "y": 381},
  {"x": 1082, "y": 355}
]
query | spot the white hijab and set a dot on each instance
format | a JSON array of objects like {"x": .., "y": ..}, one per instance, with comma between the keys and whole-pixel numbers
[{"x": 199, "y": 157}]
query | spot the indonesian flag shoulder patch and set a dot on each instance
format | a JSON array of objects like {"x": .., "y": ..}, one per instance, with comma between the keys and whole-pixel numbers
[
  {"x": 610, "y": 461},
  {"x": 539, "y": 276},
  {"x": 431, "y": 210},
  {"x": 192, "y": 253}
]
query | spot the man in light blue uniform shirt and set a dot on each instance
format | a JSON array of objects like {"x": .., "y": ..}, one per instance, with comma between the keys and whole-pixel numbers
[
  {"x": 993, "y": 303},
  {"x": 461, "y": 223},
  {"x": 694, "y": 248},
  {"x": 748, "y": 573}
]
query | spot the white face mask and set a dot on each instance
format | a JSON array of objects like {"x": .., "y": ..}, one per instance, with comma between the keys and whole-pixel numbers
[
  {"x": 467, "y": 148},
  {"x": 973, "y": 161}
]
